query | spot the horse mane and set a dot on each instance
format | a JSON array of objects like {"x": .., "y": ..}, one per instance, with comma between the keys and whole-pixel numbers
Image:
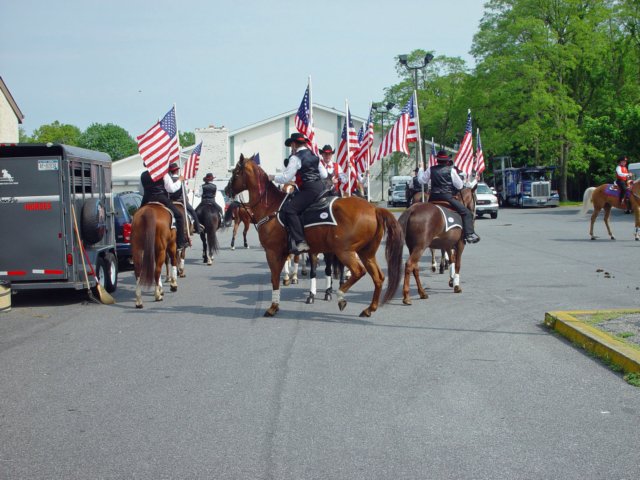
[{"x": 262, "y": 179}]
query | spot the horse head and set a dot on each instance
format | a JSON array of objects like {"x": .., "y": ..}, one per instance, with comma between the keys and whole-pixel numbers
[{"x": 238, "y": 181}]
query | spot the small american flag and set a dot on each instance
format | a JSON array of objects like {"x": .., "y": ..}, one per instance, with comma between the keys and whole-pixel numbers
[
  {"x": 191, "y": 167},
  {"x": 158, "y": 146},
  {"x": 480, "y": 166},
  {"x": 432, "y": 156},
  {"x": 464, "y": 157},
  {"x": 403, "y": 132},
  {"x": 365, "y": 139},
  {"x": 347, "y": 148},
  {"x": 304, "y": 121}
]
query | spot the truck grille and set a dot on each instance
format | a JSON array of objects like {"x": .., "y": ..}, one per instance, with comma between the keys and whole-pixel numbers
[{"x": 542, "y": 189}]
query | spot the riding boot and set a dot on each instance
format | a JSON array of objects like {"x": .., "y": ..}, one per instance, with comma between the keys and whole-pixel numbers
[{"x": 470, "y": 235}]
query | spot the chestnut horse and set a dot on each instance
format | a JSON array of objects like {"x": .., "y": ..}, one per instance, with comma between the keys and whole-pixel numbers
[
  {"x": 605, "y": 198},
  {"x": 355, "y": 239},
  {"x": 424, "y": 227},
  {"x": 152, "y": 240},
  {"x": 238, "y": 213}
]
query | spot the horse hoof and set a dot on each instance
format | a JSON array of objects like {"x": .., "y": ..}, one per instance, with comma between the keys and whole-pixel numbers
[
  {"x": 423, "y": 296},
  {"x": 311, "y": 299},
  {"x": 272, "y": 310},
  {"x": 433, "y": 269},
  {"x": 304, "y": 273},
  {"x": 613, "y": 238},
  {"x": 174, "y": 289},
  {"x": 294, "y": 281},
  {"x": 210, "y": 262},
  {"x": 342, "y": 304},
  {"x": 286, "y": 283},
  {"x": 593, "y": 238},
  {"x": 232, "y": 247},
  {"x": 451, "y": 283},
  {"x": 365, "y": 313},
  {"x": 138, "y": 306},
  {"x": 406, "y": 301},
  {"x": 328, "y": 297},
  {"x": 457, "y": 289},
  {"x": 246, "y": 246}
]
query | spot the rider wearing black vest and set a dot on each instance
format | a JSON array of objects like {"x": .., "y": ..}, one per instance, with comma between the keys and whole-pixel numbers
[
  {"x": 445, "y": 181},
  {"x": 311, "y": 172},
  {"x": 178, "y": 194},
  {"x": 207, "y": 192},
  {"x": 158, "y": 191}
]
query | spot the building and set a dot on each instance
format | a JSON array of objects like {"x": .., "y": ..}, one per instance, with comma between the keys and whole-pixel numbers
[{"x": 10, "y": 116}]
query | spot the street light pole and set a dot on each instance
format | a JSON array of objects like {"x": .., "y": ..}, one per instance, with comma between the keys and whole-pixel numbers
[
  {"x": 378, "y": 107},
  {"x": 403, "y": 59}
]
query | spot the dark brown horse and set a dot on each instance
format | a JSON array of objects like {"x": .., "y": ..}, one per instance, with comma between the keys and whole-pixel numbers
[
  {"x": 210, "y": 221},
  {"x": 239, "y": 214},
  {"x": 355, "y": 239},
  {"x": 152, "y": 240},
  {"x": 424, "y": 227},
  {"x": 605, "y": 197}
]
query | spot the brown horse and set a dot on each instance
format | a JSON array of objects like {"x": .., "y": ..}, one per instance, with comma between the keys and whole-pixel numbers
[
  {"x": 152, "y": 239},
  {"x": 239, "y": 214},
  {"x": 605, "y": 197},
  {"x": 424, "y": 227},
  {"x": 445, "y": 260},
  {"x": 355, "y": 239}
]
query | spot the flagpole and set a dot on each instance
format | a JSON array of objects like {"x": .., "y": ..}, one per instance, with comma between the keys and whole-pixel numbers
[
  {"x": 184, "y": 190},
  {"x": 346, "y": 131},
  {"x": 311, "y": 126},
  {"x": 369, "y": 157},
  {"x": 419, "y": 146}
]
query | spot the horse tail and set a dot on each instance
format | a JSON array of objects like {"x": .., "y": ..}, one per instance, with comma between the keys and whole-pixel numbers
[
  {"x": 233, "y": 206},
  {"x": 587, "y": 200},
  {"x": 404, "y": 220},
  {"x": 393, "y": 251},
  {"x": 148, "y": 267},
  {"x": 212, "y": 225}
]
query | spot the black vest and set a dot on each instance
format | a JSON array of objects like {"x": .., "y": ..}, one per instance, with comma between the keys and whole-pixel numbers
[
  {"x": 177, "y": 195},
  {"x": 151, "y": 188},
  {"x": 309, "y": 166},
  {"x": 209, "y": 192},
  {"x": 441, "y": 182}
]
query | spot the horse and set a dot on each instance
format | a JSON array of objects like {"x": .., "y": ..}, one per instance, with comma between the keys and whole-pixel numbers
[
  {"x": 182, "y": 252},
  {"x": 424, "y": 227},
  {"x": 238, "y": 214},
  {"x": 355, "y": 239},
  {"x": 605, "y": 197},
  {"x": 152, "y": 240},
  {"x": 210, "y": 221},
  {"x": 445, "y": 260}
]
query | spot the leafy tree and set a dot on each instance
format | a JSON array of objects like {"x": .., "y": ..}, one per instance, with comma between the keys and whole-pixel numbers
[
  {"x": 57, "y": 132},
  {"x": 187, "y": 139},
  {"x": 108, "y": 138},
  {"x": 23, "y": 137}
]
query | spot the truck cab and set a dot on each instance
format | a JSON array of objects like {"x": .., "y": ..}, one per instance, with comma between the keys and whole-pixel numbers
[{"x": 525, "y": 186}]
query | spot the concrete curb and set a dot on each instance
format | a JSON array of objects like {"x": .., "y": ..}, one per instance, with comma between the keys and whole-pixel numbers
[{"x": 594, "y": 340}]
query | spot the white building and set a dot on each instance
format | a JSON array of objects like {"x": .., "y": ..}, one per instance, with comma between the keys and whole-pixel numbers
[{"x": 10, "y": 116}]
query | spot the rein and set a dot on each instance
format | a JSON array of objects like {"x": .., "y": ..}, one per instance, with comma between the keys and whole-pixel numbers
[{"x": 262, "y": 193}]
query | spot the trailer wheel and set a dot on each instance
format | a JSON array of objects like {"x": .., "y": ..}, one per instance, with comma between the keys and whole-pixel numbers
[
  {"x": 93, "y": 221},
  {"x": 107, "y": 272}
]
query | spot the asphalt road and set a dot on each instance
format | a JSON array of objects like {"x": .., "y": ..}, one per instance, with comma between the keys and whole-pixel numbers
[{"x": 460, "y": 386}]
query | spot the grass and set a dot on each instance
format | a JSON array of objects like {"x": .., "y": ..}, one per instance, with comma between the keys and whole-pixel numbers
[
  {"x": 599, "y": 317},
  {"x": 632, "y": 379},
  {"x": 570, "y": 203}
]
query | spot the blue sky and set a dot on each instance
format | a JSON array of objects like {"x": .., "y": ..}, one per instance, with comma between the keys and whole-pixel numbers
[{"x": 228, "y": 63}]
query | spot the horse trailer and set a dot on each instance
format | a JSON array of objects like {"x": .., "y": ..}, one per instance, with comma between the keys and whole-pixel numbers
[{"x": 50, "y": 196}]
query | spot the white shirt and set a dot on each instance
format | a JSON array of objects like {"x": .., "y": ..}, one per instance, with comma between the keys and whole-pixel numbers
[
  {"x": 425, "y": 175},
  {"x": 619, "y": 172},
  {"x": 292, "y": 168},
  {"x": 170, "y": 185}
]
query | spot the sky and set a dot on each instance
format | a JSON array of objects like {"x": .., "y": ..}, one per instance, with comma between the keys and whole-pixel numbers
[{"x": 225, "y": 63}]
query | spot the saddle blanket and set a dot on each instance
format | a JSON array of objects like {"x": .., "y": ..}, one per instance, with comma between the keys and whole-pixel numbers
[
  {"x": 173, "y": 219},
  {"x": 612, "y": 190},
  {"x": 451, "y": 219},
  {"x": 318, "y": 213}
]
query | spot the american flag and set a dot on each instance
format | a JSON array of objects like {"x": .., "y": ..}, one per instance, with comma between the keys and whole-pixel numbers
[
  {"x": 191, "y": 167},
  {"x": 365, "y": 139},
  {"x": 304, "y": 120},
  {"x": 347, "y": 148},
  {"x": 464, "y": 157},
  {"x": 403, "y": 132},
  {"x": 432, "y": 156},
  {"x": 158, "y": 146},
  {"x": 480, "y": 166}
]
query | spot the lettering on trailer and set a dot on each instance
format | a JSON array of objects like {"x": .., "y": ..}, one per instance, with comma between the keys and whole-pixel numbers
[{"x": 41, "y": 200}]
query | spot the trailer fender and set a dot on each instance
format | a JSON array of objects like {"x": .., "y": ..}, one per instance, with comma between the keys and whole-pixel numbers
[{"x": 93, "y": 221}]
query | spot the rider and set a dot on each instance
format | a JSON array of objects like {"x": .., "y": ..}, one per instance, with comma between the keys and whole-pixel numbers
[
  {"x": 177, "y": 196},
  {"x": 326, "y": 154},
  {"x": 207, "y": 191},
  {"x": 444, "y": 181},
  {"x": 158, "y": 191},
  {"x": 622, "y": 177},
  {"x": 312, "y": 172}
]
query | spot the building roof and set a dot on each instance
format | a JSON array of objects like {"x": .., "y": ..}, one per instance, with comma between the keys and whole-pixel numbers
[
  {"x": 293, "y": 112},
  {"x": 16, "y": 110}
]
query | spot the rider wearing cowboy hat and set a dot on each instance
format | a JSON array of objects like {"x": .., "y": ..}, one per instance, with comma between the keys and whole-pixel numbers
[
  {"x": 178, "y": 194},
  {"x": 622, "y": 177},
  {"x": 208, "y": 191},
  {"x": 158, "y": 191},
  {"x": 312, "y": 171},
  {"x": 326, "y": 154},
  {"x": 444, "y": 180}
]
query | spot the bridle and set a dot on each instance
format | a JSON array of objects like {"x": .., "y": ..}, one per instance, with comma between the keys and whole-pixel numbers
[{"x": 262, "y": 194}]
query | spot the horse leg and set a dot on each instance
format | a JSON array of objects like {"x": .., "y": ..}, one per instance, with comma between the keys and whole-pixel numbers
[
  {"x": 236, "y": 224},
  {"x": 313, "y": 259},
  {"x": 181, "y": 257},
  {"x": 458, "y": 263},
  {"x": 371, "y": 265},
  {"x": 286, "y": 279},
  {"x": 349, "y": 260},
  {"x": 607, "y": 213},
  {"x": 158, "y": 293},
  {"x": 327, "y": 271},
  {"x": 173, "y": 279},
  {"x": 276, "y": 263},
  {"x": 444, "y": 261},
  {"x": 412, "y": 266},
  {"x": 296, "y": 265},
  {"x": 433, "y": 260},
  {"x": 594, "y": 215},
  {"x": 305, "y": 258},
  {"x": 244, "y": 233},
  {"x": 205, "y": 257},
  {"x": 138, "y": 293}
]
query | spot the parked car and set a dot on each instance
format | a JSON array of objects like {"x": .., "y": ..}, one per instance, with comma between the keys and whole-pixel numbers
[
  {"x": 398, "y": 195},
  {"x": 125, "y": 205},
  {"x": 486, "y": 201}
]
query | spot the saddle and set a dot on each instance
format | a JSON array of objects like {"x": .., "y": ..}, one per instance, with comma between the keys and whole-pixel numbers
[
  {"x": 187, "y": 213},
  {"x": 612, "y": 190},
  {"x": 319, "y": 212},
  {"x": 173, "y": 219},
  {"x": 451, "y": 218}
]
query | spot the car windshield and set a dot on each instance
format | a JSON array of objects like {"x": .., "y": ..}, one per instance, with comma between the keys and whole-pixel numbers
[
  {"x": 482, "y": 188},
  {"x": 399, "y": 188}
]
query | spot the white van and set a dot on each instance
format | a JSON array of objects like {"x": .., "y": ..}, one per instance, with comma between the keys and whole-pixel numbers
[
  {"x": 398, "y": 180},
  {"x": 635, "y": 169}
]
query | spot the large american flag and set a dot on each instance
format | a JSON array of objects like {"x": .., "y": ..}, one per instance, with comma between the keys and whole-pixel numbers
[
  {"x": 464, "y": 157},
  {"x": 362, "y": 156},
  {"x": 158, "y": 146},
  {"x": 480, "y": 166},
  {"x": 304, "y": 120},
  {"x": 191, "y": 167},
  {"x": 403, "y": 132},
  {"x": 432, "y": 156},
  {"x": 346, "y": 149}
]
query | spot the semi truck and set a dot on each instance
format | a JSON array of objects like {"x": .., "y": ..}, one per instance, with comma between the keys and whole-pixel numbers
[
  {"x": 524, "y": 186},
  {"x": 45, "y": 191}
]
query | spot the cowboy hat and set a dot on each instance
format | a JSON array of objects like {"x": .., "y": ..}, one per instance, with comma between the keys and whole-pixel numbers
[
  {"x": 327, "y": 149},
  {"x": 295, "y": 137},
  {"x": 173, "y": 166},
  {"x": 208, "y": 177},
  {"x": 442, "y": 156}
]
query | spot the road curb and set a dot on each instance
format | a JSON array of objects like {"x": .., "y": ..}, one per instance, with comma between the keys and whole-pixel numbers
[{"x": 593, "y": 340}]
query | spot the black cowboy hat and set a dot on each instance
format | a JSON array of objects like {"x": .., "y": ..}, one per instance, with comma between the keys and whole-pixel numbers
[
  {"x": 173, "y": 166},
  {"x": 327, "y": 149},
  {"x": 295, "y": 137},
  {"x": 208, "y": 177},
  {"x": 442, "y": 156},
  {"x": 621, "y": 158}
]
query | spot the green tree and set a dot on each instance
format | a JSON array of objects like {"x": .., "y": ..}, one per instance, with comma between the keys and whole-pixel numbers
[
  {"x": 187, "y": 139},
  {"x": 108, "y": 138},
  {"x": 57, "y": 132},
  {"x": 23, "y": 137}
]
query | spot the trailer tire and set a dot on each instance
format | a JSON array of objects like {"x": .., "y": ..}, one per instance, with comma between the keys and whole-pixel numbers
[
  {"x": 93, "y": 221},
  {"x": 107, "y": 272}
]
